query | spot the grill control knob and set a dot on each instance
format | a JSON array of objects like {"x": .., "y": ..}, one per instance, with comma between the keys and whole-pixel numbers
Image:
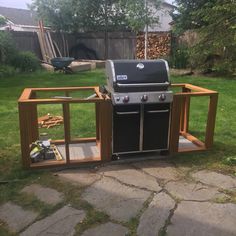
[
  {"x": 162, "y": 97},
  {"x": 144, "y": 98},
  {"x": 126, "y": 99}
]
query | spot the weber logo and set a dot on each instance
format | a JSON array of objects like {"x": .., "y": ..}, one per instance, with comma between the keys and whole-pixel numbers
[{"x": 121, "y": 77}]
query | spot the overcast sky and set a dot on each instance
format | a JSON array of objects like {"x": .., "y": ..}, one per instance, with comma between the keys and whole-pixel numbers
[{"x": 22, "y": 3}]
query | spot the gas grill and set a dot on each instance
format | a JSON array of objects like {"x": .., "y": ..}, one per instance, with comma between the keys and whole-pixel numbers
[{"x": 139, "y": 91}]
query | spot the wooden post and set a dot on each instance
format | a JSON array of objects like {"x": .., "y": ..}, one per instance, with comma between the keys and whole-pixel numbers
[
  {"x": 185, "y": 108},
  {"x": 105, "y": 120},
  {"x": 97, "y": 109},
  {"x": 66, "y": 116},
  {"x": 211, "y": 120},
  {"x": 23, "y": 135},
  {"x": 175, "y": 124}
]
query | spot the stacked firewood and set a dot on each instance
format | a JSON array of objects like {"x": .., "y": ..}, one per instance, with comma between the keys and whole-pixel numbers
[
  {"x": 159, "y": 45},
  {"x": 49, "y": 121}
]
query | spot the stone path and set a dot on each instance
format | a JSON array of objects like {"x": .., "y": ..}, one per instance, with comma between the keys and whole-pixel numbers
[
  {"x": 62, "y": 222},
  {"x": 107, "y": 229},
  {"x": 160, "y": 197},
  {"x": 46, "y": 195}
]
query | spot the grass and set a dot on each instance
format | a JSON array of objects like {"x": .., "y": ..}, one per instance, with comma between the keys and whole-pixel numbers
[{"x": 82, "y": 126}]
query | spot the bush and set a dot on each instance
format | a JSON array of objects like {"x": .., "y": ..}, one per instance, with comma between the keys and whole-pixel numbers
[
  {"x": 179, "y": 58},
  {"x": 25, "y": 62},
  {"x": 7, "y": 48},
  {"x": 6, "y": 71}
]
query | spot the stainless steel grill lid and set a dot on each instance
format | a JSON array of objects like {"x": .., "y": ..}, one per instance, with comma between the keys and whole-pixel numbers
[{"x": 137, "y": 75}]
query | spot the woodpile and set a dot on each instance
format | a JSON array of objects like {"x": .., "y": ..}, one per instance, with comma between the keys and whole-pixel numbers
[
  {"x": 49, "y": 121},
  {"x": 159, "y": 45}
]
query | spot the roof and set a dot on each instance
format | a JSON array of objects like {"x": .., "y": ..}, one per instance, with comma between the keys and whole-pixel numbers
[
  {"x": 19, "y": 16},
  {"x": 169, "y": 4}
]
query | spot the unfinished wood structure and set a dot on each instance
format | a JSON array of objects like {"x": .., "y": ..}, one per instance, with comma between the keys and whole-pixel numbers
[
  {"x": 29, "y": 125},
  {"x": 180, "y": 118},
  {"x": 101, "y": 144}
]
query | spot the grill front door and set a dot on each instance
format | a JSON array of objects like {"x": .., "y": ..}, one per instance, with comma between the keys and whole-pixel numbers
[
  {"x": 156, "y": 126},
  {"x": 126, "y": 128}
]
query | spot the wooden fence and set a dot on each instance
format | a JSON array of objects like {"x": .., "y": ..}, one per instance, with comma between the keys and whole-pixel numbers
[{"x": 120, "y": 45}]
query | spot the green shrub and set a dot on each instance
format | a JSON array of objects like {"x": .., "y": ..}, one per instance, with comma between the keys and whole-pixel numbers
[
  {"x": 25, "y": 62},
  {"x": 179, "y": 58},
  {"x": 6, "y": 71},
  {"x": 7, "y": 48}
]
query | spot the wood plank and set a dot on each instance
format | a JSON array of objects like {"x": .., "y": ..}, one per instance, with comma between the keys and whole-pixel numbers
[
  {"x": 198, "y": 149},
  {"x": 96, "y": 89},
  {"x": 51, "y": 44},
  {"x": 175, "y": 124},
  {"x": 64, "y": 88},
  {"x": 211, "y": 119},
  {"x": 47, "y": 163},
  {"x": 185, "y": 111},
  {"x": 61, "y": 100},
  {"x": 80, "y": 151},
  {"x": 66, "y": 116},
  {"x": 193, "y": 139},
  {"x": 26, "y": 94},
  {"x": 24, "y": 139},
  {"x": 97, "y": 108},
  {"x": 198, "y": 89},
  {"x": 41, "y": 47},
  {"x": 105, "y": 121},
  {"x": 194, "y": 94}
]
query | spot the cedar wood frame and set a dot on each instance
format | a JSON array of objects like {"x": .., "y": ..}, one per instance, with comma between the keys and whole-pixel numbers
[{"x": 29, "y": 133}]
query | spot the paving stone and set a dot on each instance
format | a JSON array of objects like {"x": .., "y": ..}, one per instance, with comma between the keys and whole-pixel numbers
[
  {"x": 81, "y": 177},
  {"x": 129, "y": 175},
  {"x": 119, "y": 201},
  {"x": 107, "y": 229},
  {"x": 203, "y": 219},
  {"x": 215, "y": 179},
  {"x": 46, "y": 195},
  {"x": 16, "y": 217},
  {"x": 154, "y": 217},
  {"x": 159, "y": 169},
  {"x": 62, "y": 222},
  {"x": 193, "y": 191}
]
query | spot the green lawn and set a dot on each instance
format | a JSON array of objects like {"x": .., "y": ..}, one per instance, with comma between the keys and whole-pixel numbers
[
  {"x": 83, "y": 125},
  {"x": 10, "y": 158}
]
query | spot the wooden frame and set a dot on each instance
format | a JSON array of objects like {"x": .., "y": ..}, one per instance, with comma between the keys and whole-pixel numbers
[
  {"x": 180, "y": 118},
  {"x": 29, "y": 126},
  {"x": 179, "y": 122}
]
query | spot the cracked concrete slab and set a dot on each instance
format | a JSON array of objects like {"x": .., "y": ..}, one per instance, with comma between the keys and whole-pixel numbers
[
  {"x": 119, "y": 201},
  {"x": 47, "y": 195},
  {"x": 16, "y": 217},
  {"x": 81, "y": 177},
  {"x": 160, "y": 169},
  {"x": 62, "y": 222},
  {"x": 128, "y": 175},
  {"x": 193, "y": 191},
  {"x": 107, "y": 229},
  {"x": 203, "y": 219},
  {"x": 154, "y": 217},
  {"x": 215, "y": 179}
]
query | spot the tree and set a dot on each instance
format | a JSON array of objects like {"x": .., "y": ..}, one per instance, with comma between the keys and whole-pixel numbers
[
  {"x": 3, "y": 20},
  {"x": 185, "y": 17},
  {"x": 215, "y": 22},
  {"x": 96, "y": 15}
]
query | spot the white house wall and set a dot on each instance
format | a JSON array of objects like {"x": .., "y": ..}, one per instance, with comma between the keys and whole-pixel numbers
[{"x": 164, "y": 19}]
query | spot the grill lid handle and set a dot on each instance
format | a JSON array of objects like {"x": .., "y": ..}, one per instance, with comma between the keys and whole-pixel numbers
[{"x": 143, "y": 84}]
